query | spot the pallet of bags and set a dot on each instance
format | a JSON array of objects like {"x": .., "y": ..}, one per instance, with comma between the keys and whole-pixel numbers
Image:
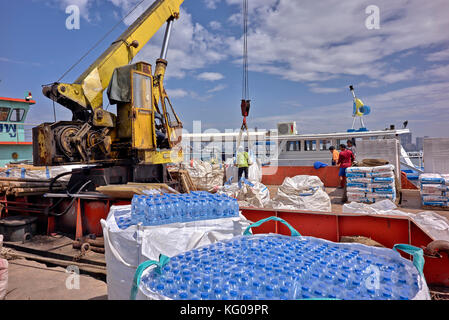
[
  {"x": 434, "y": 190},
  {"x": 371, "y": 184}
]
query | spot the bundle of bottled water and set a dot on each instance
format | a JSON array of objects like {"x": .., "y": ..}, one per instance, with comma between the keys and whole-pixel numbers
[
  {"x": 156, "y": 209},
  {"x": 267, "y": 267},
  {"x": 371, "y": 184},
  {"x": 434, "y": 189}
]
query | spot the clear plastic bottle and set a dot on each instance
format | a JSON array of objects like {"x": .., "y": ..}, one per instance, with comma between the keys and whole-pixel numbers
[
  {"x": 159, "y": 212},
  {"x": 150, "y": 216},
  {"x": 203, "y": 209},
  {"x": 168, "y": 212}
]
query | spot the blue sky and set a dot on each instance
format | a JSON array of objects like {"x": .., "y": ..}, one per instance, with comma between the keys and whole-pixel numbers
[{"x": 303, "y": 56}]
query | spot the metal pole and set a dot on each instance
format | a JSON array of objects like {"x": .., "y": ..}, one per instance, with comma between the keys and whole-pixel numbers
[{"x": 166, "y": 39}]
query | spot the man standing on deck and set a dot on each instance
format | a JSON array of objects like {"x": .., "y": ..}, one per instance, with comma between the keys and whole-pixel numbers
[
  {"x": 345, "y": 160},
  {"x": 352, "y": 147},
  {"x": 242, "y": 162},
  {"x": 335, "y": 155}
]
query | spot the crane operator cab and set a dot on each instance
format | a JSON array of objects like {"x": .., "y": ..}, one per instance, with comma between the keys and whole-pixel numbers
[{"x": 145, "y": 116}]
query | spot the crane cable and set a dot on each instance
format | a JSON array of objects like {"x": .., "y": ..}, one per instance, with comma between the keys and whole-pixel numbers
[
  {"x": 245, "y": 86},
  {"x": 245, "y": 103}
]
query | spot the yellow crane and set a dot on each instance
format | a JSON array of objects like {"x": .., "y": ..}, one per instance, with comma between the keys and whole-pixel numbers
[{"x": 144, "y": 135}]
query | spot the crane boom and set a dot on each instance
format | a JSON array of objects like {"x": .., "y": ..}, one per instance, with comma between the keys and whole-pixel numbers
[{"x": 85, "y": 95}]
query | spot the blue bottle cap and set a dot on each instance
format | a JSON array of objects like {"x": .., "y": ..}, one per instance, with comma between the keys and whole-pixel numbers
[
  {"x": 173, "y": 291},
  {"x": 206, "y": 286},
  {"x": 183, "y": 295}
]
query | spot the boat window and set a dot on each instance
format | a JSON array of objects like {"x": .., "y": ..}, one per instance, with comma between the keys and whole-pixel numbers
[
  {"x": 293, "y": 145},
  {"x": 325, "y": 145},
  {"x": 4, "y": 113},
  {"x": 310, "y": 145},
  {"x": 17, "y": 115}
]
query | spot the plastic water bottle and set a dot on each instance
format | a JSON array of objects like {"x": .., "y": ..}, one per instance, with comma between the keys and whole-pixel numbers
[
  {"x": 235, "y": 208},
  {"x": 203, "y": 209},
  {"x": 150, "y": 216}
]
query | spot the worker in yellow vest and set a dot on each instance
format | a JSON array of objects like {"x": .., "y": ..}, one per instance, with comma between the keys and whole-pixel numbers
[{"x": 243, "y": 162}]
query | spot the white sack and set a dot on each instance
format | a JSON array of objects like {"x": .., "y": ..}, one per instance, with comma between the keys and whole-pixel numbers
[
  {"x": 302, "y": 193},
  {"x": 256, "y": 195},
  {"x": 205, "y": 176}
]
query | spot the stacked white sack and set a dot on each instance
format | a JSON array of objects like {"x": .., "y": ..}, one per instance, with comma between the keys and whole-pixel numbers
[
  {"x": 302, "y": 193},
  {"x": 434, "y": 189},
  {"x": 371, "y": 184}
]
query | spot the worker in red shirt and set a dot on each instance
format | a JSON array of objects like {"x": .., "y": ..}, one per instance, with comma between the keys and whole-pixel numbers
[{"x": 345, "y": 160}]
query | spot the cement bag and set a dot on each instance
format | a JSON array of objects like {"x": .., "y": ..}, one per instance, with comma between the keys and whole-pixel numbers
[
  {"x": 302, "y": 193},
  {"x": 446, "y": 179},
  {"x": 127, "y": 249}
]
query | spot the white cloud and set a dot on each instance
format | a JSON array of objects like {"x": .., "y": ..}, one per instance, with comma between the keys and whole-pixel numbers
[
  {"x": 425, "y": 106},
  {"x": 211, "y": 4},
  {"x": 191, "y": 47},
  {"x": 439, "y": 56},
  {"x": 215, "y": 25},
  {"x": 437, "y": 72},
  {"x": 210, "y": 76},
  {"x": 217, "y": 88},
  {"x": 83, "y": 5},
  {"x": 317, "y": 89},
  {"x": 177, "y": 93},
  {"x": 320, "y": 40}
]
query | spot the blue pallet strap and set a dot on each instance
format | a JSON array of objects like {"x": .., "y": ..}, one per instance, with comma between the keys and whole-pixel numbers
[
  {"x": 163, "y": 260},
  {"x": 22, "y": 173},
  {"x": 294, "y": 233},
  {"x": 8, "y": 172},
  {"x": 47, "y": 172},
  {"x": 417, "y": 253}
]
